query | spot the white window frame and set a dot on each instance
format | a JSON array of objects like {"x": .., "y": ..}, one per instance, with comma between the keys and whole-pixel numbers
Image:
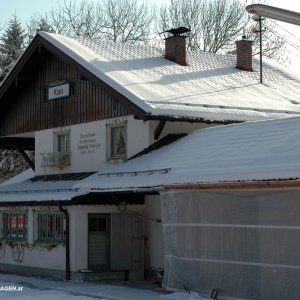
[
  {"x": 110, "y": 130},
  {"x": 62, "y": 152}
]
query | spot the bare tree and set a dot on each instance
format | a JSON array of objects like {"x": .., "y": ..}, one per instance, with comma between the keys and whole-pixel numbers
[
  {"x": 213, "y": 23},
  {"x": 183, "y": 13},
  {"x": 126, "y": 21},
  {"x": 216, "y": 24},
  {"x": 117, "y": 20},
  {"x": 273, "y": 45},
  {"x": 83, "y": 19},
  {"x": 37, "y": 23}
]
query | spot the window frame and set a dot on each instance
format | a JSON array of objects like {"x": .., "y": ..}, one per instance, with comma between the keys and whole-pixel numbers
[
  {"x": 8, "y": 236},
  {"x": 110, "y": 128},
  {"x": 42, "y": 218},
  {"x": 60, "y": 154}
]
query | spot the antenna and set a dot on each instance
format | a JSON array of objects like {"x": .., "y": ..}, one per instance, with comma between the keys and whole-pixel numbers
[{"x": 259, "y": 32}]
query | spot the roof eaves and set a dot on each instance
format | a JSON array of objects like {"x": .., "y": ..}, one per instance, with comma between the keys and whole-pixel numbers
[
  {"x": 191, "y": 119},
  {"x": 238, "y": 185},
  {"x": 13, "y": 73}
]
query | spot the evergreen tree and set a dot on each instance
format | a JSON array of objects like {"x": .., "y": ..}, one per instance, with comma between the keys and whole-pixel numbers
[{"x": 11, "y": 45}]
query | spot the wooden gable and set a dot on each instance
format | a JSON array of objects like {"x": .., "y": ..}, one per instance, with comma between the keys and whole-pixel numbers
[{"x": 24, "y": 93}]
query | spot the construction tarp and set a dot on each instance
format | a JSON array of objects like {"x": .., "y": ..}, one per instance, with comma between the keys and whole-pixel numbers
[{"x": 245, "y": 243}]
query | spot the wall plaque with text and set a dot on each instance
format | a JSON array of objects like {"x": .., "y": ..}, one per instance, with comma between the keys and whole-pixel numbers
[{"x": 59, "y": 90}]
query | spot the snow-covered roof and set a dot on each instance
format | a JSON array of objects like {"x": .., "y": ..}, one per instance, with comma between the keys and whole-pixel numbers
[
  {"x": 27, "y": 174},
  {"x": 210, "y": 87},
  {"x": 29, "y": 190},
  {"x": 251, "y": 151}
]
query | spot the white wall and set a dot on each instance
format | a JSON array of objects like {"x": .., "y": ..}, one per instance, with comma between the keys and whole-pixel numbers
[
  {"x": 33, "y": 255},
  {"x": 55, "y": 258},
  {"x": 89, "y": 156},
  {"x": 79, "y": 230},
  {"x": 151, "y": 213}
]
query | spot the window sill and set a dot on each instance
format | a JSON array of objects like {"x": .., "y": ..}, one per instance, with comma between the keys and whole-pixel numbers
[{"x": 116, "y": 160}]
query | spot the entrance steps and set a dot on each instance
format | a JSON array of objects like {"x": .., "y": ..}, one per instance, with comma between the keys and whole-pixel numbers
[{"x": 88, "y": 275}]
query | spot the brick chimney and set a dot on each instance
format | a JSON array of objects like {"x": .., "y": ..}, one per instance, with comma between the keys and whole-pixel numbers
[
  {"x": 176, "y": 49},
  {"x": 244, "y": 54}
]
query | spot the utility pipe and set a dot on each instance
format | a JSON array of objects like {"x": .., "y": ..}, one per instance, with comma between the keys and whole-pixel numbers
[{"x": 67, "y": 270}]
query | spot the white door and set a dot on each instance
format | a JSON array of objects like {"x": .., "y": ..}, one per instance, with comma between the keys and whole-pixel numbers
[{"x": 99, "y": 241}]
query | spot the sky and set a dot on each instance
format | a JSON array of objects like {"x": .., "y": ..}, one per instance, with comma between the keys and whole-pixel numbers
[{"x": 25, "y": 9}]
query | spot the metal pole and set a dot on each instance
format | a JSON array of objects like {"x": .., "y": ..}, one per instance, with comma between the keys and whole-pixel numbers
[
  {"x": 260, "y": 45},
  {"x": 66, "y": 213}
]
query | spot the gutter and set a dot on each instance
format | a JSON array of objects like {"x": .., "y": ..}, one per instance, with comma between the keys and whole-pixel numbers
[
  {"x": 280, "y": 184},
  {"x": 67, "y": 268},
  {"x": 149, "y": 117}
]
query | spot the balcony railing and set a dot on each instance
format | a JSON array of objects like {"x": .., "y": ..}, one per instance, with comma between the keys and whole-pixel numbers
[{"x": 56, "y": 159}]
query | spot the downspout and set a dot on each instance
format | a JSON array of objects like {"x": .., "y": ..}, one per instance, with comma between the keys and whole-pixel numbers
[{"x": 67, "y": 271}]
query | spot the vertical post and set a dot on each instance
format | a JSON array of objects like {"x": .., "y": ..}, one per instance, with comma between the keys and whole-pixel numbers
[
  {"x": 67, "y": 270},
  {"x": 260, "y": 46}
]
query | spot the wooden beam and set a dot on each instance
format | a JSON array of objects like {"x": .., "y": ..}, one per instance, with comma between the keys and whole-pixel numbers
[
  {"x": 159, "y": 129},
  {"x": 283, "y": 184},
  {"x": 27, "y": 159},
  {"x": 25, "y": 78}
]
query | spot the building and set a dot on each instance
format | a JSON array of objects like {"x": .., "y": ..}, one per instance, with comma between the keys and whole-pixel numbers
[
  {"x": 230, "y": 207},
  {"x": 83, "y": 105}
]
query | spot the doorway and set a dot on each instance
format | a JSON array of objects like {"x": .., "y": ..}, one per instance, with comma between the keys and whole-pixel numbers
[{"x": 99, "y": 242}]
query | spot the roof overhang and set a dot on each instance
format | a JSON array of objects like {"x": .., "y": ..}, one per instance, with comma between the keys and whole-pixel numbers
[
  {"x": 15, "y": 143},
  {"x": 275, "y": 13},
  {"x": 175, "y": 118},
  {"x": 252, "y": 185}
]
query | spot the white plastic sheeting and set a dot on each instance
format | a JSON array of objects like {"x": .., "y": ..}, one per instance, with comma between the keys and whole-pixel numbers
[{"x": 244, "y": 243}]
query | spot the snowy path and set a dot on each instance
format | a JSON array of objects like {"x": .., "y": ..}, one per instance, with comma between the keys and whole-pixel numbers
[{"x": 31, "y": 288}]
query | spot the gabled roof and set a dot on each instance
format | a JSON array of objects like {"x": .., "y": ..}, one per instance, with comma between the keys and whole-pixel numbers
[
  {"x": 209, "y": 88},
  {"x": 247, "y": 152}
]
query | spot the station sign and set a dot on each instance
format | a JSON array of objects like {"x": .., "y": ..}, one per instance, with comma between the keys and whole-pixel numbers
[{"x": 59, "y": 90}]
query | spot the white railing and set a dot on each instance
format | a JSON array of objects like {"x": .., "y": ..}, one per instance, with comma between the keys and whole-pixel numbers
[{"x": 53, "y": 159}]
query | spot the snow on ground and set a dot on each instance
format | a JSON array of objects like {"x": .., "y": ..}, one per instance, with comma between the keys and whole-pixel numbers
[{"x": 33, "y": 288}]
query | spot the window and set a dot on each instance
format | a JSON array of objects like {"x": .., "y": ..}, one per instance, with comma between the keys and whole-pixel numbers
[
  {"x": 14, "y": 226},
  {"x": 51, "y": 227},
  {"x": 61, "y": 148},
  {"x": 116, "y": 142}
]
